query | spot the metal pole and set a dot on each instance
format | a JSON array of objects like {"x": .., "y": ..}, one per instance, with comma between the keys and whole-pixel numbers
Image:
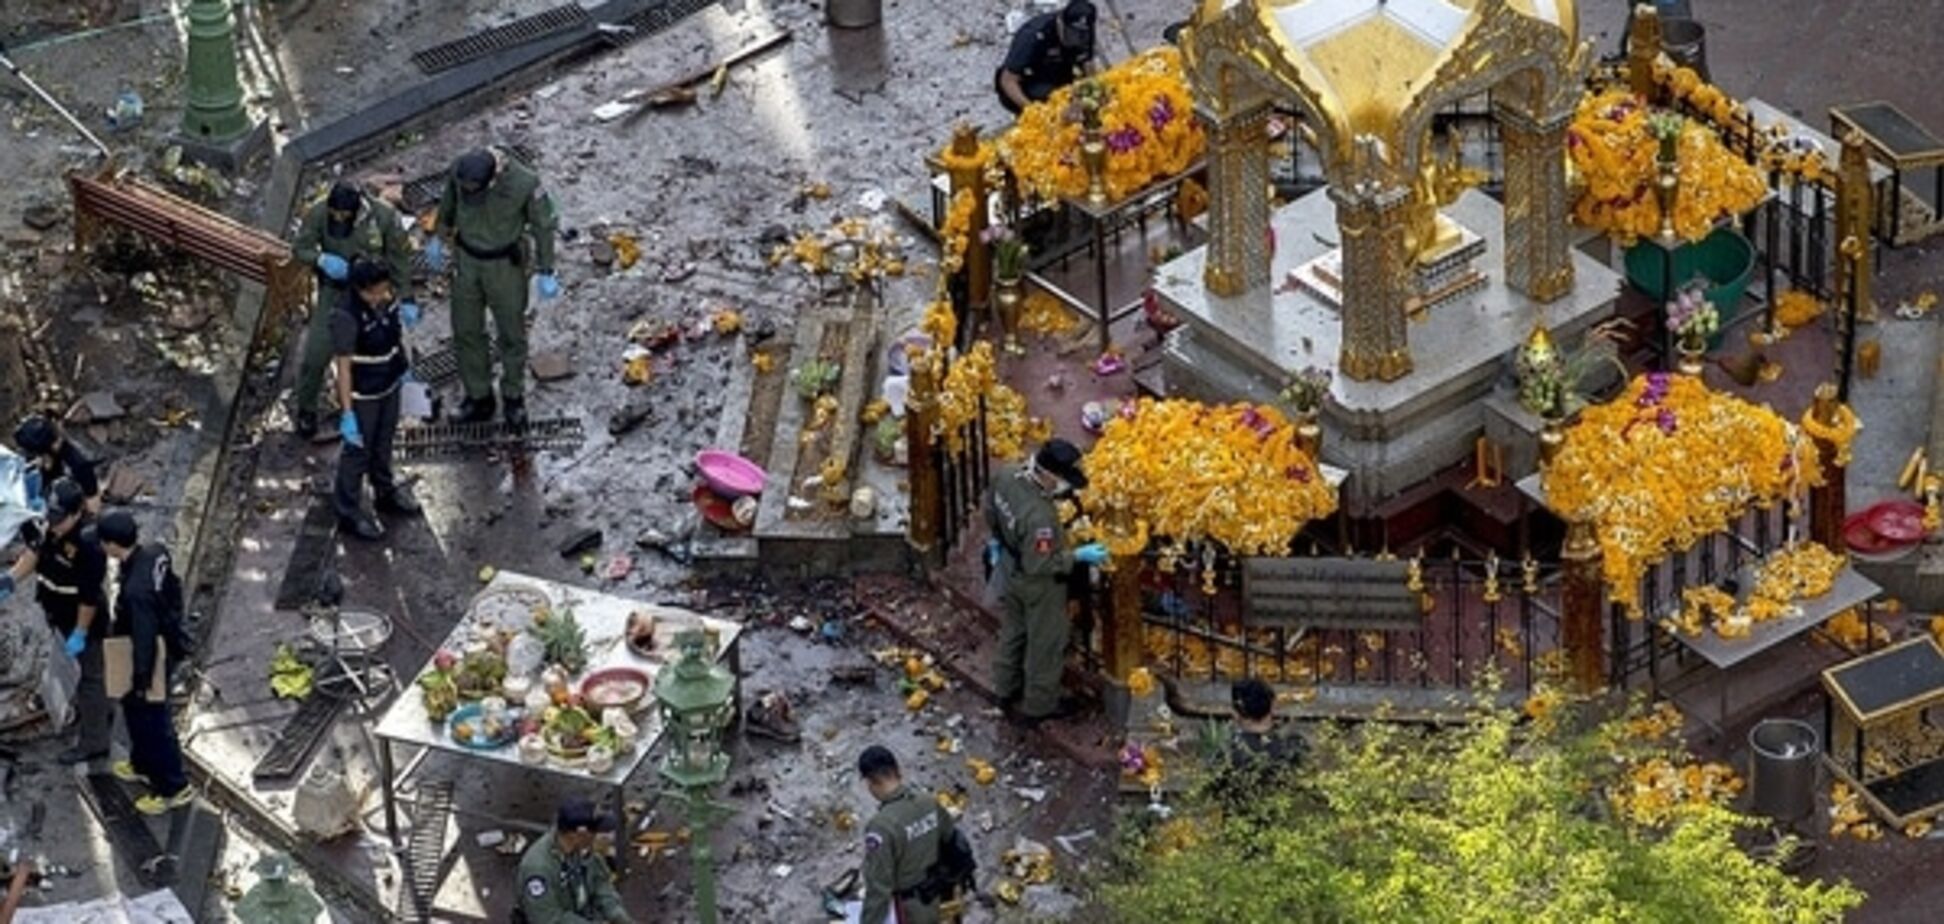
[
  {"x": 702, "y": 855},
  {"x": 49, "y": 99}
]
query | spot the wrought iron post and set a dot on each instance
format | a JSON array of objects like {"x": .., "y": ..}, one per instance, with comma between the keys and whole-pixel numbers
[
  {"x": 1827, "y": 501},
  {"x": 921, "y": 451},
  {"x": 1122, "y": 643},
  {"x": 967, "y": 171},
  {"x": 215, "y": 96}
]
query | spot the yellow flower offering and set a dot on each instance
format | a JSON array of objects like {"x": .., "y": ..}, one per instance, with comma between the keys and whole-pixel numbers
[
  {"x": 1148, "y": 121},
  {"x": 1840, "y": 434},
  {"x": 1667, "y": 463},
  {"x": 1612, "y": 145},
  {"x": 1795, "y": 308},
  {"x": 1189, "y": 471}
]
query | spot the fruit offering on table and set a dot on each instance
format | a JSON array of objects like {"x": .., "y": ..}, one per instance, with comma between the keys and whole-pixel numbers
[
  {"x": 441, "y": 695},
  {"x": 481, "y": 673},
  {"x": 476, "y": 727},
  {"x": 566, "y": 643},
  {"x": 615, "y": 687},
  {"x": 569, "y": 731}
]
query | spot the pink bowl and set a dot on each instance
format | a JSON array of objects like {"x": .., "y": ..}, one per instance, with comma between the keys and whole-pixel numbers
[{"x": 728, "y": 474}]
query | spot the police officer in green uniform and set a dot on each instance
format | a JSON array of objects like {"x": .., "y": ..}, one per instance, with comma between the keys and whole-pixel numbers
[
  {"x": 902, "y": 843},
  {"x": 348, "y": 225},
  {"x": 495, "y": 210},
  {"x": 562, "y": 881},
  {"x": 1028, "y": 549}
]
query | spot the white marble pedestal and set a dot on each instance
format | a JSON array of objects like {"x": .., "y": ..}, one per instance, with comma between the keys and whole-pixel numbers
[{"x": 1387, "y": 435}]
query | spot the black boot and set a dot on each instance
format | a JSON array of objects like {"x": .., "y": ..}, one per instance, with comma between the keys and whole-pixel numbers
[
  {"x": 400, "y": 502},
  {"x": 477, "y": 410},
  {"x": 362, "y": 527},
  {"x": 514, "y": 410},
  {"x": 304, "y": 425}
]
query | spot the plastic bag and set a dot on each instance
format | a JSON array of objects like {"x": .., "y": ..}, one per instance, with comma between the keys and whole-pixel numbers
[
  {"x": 19, "y": 493},
  {"x": 58, "y": 682}
]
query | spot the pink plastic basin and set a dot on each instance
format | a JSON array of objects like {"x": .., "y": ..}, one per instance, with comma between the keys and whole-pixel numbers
[{"x": 728, "y": 474}]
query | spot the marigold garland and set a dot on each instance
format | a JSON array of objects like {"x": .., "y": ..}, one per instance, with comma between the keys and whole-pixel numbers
[
  {"x": 1008, "y": 427},
  {"x": 1045, "y": 315},
  {"x": 1779, "y": 150},
  {"x": 1148, "y": 121},
  {"x": 1841, "y": 434},
  {"x": 1656, "y": 791},
  {"x": 878, "y": 252},
  {"x": 1667, "y": 463},
  {"x": 1612, "y": 145},
  {"x": 1795, "y": 308},
  {"x": 1188, "y": 471},
  {"x": 957, "y": 232}
]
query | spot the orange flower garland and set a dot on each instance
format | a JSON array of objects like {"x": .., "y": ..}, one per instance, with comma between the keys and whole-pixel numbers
[
  {"x": 1841, "y": 434},
  {"x": 957, "y": 233},
  {"x": 1795, "y": 308},
  {"x": 1149, "y": 122},
  {"x": 1189, "y": 471},
  {"x": 1008, "y": 427},
  {"x": 1613, "y": 147},
  {"x": 1667, "y": 463}
]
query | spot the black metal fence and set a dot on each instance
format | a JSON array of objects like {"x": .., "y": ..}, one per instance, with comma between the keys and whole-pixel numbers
[
  {"x": 963, "y": 475},
  {"x": 1472, "y": 626}
]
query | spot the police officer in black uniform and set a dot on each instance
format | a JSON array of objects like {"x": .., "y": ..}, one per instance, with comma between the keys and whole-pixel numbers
[
  {"x": 148, "y": 611},
  {"x": 72, "y": 572},
  {"x": 43, "y": 442},
  {"x": 1050, "y": 51},
  {"x": 368, "y": 339}
]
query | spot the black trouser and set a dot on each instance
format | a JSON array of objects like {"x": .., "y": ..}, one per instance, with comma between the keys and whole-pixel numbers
[
  {"x": 377, "y": 422},
  {"x": 152, "y": 745},
  {"x": 94, "y": 716}
]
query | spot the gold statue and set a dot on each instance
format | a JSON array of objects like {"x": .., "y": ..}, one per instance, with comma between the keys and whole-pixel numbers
[{"x": 1428, "y": 233}]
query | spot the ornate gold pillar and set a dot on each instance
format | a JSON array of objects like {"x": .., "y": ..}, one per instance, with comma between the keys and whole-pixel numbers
[
  {"x": 969, "y": 175},
  {"x": 1375, "y": 258},
  {"x": 921, "y": 526},
  {"x": 1582, "y": 590},
  {"x": 1123, "y": 642},
  {"x": 1238, "y": 217},
  {"x": 1855, "y": 222},
  {"x": 1538, "y": 256},
  {"x": 1827, "y": 502}
]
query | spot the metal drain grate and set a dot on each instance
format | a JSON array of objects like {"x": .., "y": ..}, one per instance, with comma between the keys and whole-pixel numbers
[
  {"x": 423, "y": 192},
  {"x": 480, "y": 44},
  {"x": 425, "y": 852},
  {"x": 311, "y": 557},
  {"x": 437, "y": 440},
  {"x": 441, "y": 366},
  {"x": 660, "y": 16},
  {"x": 134, "y": 841},
  {"x": 299, "y": 738}
]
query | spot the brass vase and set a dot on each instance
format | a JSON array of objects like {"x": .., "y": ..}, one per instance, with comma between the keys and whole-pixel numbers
[
  {"x": 1691, "y": 350},
  {"x": 1008, "y": 294},
  {"x": 1552, "y": 439},
  {"x": 1093, "y": 153},
  {"x": 1309, "y": 434},
  {"x": 1667, "y": 189}
]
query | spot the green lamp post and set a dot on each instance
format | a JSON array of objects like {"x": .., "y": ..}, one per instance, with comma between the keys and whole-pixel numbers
[
  {"x": 695, "y": 699},
  {"x": 275, "y": 899},
  {"x": 215, "y": 111}
]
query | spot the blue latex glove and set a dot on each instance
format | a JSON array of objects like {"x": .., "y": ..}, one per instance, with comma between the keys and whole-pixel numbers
[
  {"x": 549, "y": 286},
  {"x": 76, "y": 640},
  {"x": 6, "y": 586},
  {"x": 993, "y": 548},
  {"x": 348, "y": 428},
  {"x": 1093, "y": 553},
  {"x": 31, "y": 479},
  {"x": 408, "y": 313},
  {"x": 333, "y": 266},
  {"x": 435, "y": 254}
]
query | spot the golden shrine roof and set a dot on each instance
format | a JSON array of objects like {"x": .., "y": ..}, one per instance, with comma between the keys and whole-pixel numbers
[{"x": 1376, "y": 55}]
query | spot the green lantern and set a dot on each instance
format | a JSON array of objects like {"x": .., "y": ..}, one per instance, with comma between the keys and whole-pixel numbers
[
  {"x": 696, "y": 697},
  {"x": 275, "y": 899},
  {"x": 215, "y": 110}
]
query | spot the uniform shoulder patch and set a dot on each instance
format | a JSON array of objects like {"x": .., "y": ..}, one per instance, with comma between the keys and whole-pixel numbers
[
  {"x": 872, "y": 841},
  {"x": 536, "y": 886},
  {"x": 1043, "y": 540}
]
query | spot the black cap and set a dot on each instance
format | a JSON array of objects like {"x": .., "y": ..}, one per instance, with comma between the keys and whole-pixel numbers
[
  {"x": 367, "y": 273},
  {"x": 1078, "y": 17},
  {"x": 1252, "y": 698},
  {"x": 582, "y": 815},
  {"x": 877, "y": 762},
  {"x": 1061, "y": 458},
  {"x": 36, "y": 435},
  {"x": 473, "y": 170},
  {"x": 344, "y": 197},
  {"x": 118, "y": 527},
  {"x": 64, "y": 499}
]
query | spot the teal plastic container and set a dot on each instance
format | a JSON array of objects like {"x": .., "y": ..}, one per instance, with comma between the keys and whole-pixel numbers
[{"x": 1724, "y": 257}]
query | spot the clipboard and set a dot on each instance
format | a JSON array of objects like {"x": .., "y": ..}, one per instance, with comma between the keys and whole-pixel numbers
[{"x": 118, "y": 668}]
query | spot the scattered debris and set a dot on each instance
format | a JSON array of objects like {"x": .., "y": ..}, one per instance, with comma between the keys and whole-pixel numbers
[
  {"x": 1033, "y": 794},
  {"x": 587, "y": 540},
  {"x": 96, "y": 407},
  {"x": 550, "y": 366},
  {"x": 41, "y": 216}
]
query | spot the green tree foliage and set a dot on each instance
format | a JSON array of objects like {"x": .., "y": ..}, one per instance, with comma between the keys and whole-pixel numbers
[{"x": 1495, "y": 821}]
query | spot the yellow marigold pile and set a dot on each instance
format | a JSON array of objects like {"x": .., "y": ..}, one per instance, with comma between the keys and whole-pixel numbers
[
  {"x": 1795, "y": 308},
  {"x": 1189, "y": 471},
  {"x": 1667, "y": 463},
  {"x": 1045, "y": 315},
  {"x": 877, "y": 251},
  {"x": 1850, "y": 630},
  {"x": 1800, "y": 572},
  {"x": 1807, "y": 164},
  {"x": 1848, "y": 817},
  {"x": 1149, "y": 122},
  {"x": 1613, "y": 148},
  {"x": 957, "y": 233},
  {"x": 1655, "y": 791},
  {"x": 1009, "y": 429},
  {"x": 1841, "y": 434}
]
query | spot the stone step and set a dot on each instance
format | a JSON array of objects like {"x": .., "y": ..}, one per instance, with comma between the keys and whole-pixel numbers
[{"x": 848, "y": 334}]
